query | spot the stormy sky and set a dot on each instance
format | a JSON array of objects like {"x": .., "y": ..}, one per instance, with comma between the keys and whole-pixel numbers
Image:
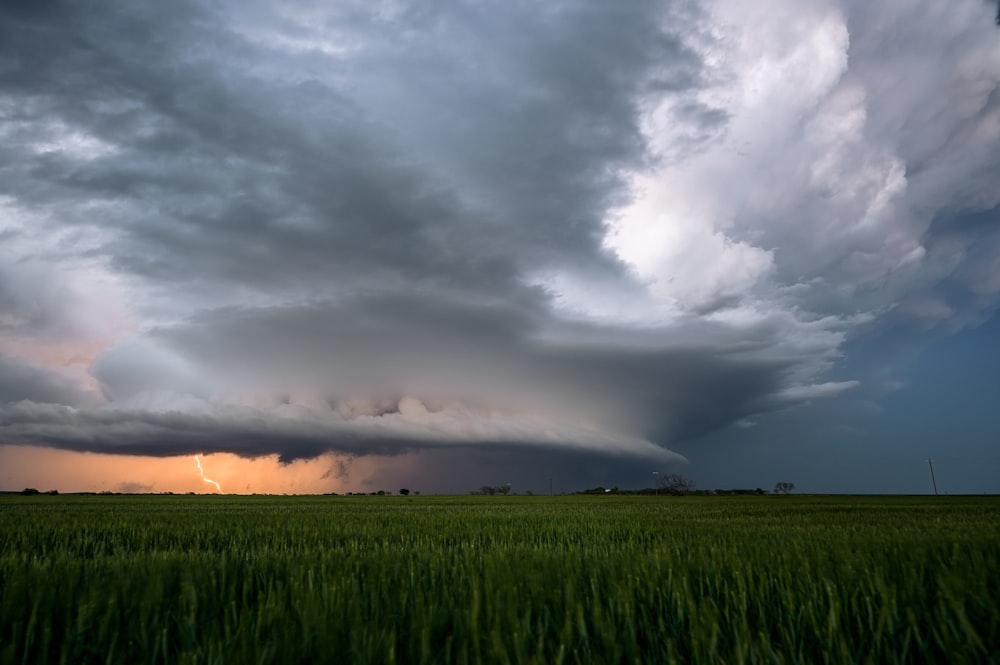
[{"x": 440, "y": 245}]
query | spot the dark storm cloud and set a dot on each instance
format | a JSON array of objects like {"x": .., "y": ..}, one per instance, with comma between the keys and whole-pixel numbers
[
  {"x": 21, "y": 308},
  {"x": 446, "y": 149},
  {"x": 295, "y": 433},
  {"x": 384, "y": 227},
  {"x": 19, "y": 381},
  {"x": 452, "y": 149},
  {"x": 392, "y": 345},
  {"x": 33, "y": 302},
  {"x": 536, "y": 471},
  {"x": 387, "y": 374}
]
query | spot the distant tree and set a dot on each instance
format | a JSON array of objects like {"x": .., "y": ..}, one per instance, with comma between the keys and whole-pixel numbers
[
  {"x": 675, "y": 484},
  {"x": 381, "y": 492},
  {"x": 29, "y": 491},
  {"x": 504, "y": 489},
  {"x": 784, "y": 488},
  {"x": 404, "y": 492},
  {"x": 488, "y": 490}
]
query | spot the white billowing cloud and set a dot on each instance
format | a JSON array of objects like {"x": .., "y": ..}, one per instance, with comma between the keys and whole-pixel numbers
[
  {"x": 682, "y": 256},
  {"x": 680, "y": 233},
  {"x": 818, "y": 195}
]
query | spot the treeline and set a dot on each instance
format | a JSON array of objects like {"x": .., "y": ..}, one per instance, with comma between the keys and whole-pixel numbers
[
  {"x": 490, "y": 490},
  {"x": 651, "y": 491}
]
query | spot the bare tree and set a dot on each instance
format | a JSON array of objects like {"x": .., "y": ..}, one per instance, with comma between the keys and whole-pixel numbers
[
  {"x": 675, "y": 484},
  {"x": 784, "y": 488}
]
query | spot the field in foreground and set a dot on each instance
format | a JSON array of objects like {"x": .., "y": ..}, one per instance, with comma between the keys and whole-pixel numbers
[{"x": 211, "y": 579}]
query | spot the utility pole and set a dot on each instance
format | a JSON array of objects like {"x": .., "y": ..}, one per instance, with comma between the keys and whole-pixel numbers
[{"x": 930, "y": 463}]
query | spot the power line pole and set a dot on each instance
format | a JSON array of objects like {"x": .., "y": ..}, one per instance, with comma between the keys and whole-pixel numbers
[{"x": 930, "y": 463}]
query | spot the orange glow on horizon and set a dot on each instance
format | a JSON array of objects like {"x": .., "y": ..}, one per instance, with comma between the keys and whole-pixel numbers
[{"x": 66, "y": 471}]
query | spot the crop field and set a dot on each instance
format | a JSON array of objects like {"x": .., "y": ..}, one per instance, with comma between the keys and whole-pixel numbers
[{"x": 221, "y": 579}]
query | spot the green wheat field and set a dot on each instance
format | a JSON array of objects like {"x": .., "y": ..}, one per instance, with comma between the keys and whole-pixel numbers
[{"x": 548, "y": 580}]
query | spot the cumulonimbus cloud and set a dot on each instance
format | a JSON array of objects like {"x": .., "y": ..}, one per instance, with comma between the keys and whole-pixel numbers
[{"x": 577, "y": 227}]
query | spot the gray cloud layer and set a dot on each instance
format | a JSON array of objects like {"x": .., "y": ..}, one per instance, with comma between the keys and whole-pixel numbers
[{"x": 377, "y": 227}]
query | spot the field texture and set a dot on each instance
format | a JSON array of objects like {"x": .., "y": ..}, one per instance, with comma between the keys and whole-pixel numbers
[{"x": 211, "y": 579}]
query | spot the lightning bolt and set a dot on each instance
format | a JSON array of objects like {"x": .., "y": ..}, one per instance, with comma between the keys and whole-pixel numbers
[{"x": 201, "y": 471}]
